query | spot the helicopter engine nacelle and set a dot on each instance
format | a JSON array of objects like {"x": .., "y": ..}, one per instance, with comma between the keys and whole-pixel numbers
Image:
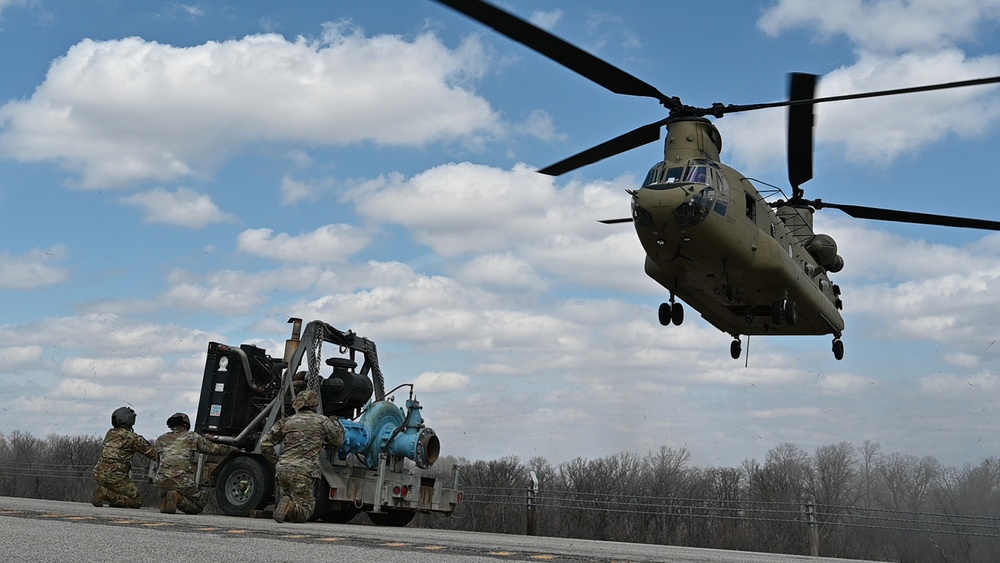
[{"x": 824, "y": 249}]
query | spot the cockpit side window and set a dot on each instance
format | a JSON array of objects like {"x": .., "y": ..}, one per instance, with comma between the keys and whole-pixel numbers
[
  {"x": 654, "y": 174},
  {"x": 751, "y": 207},
  {"x": 660, "y": 174},
  {"x": 722, "y": 191}
]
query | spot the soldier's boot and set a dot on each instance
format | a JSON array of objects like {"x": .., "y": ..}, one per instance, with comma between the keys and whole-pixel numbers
[
  {"x": 131, "y": 502},
  {"x": 187, "y": 506},
  {"x": 281, "y": 510},
  {"x": 169, "y": 503},
  {"x": 98, "y": 498}
]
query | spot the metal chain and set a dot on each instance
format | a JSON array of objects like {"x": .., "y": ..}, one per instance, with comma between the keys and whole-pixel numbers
[
  {"x": 372, "y": 357},
  {"x": 313, "y": 378}
]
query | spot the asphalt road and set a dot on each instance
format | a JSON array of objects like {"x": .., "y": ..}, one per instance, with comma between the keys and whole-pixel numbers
[{"x": 52, "y": 531}]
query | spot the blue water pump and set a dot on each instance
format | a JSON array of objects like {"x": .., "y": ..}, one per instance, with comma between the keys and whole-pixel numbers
[{"x": 383, "y": 428}]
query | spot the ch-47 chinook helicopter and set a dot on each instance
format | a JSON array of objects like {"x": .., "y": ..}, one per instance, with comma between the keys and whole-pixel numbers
[{"x": 749, "y": 266}]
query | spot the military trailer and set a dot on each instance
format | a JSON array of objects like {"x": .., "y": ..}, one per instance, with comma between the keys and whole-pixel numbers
[{"x": 245, "y": 391}]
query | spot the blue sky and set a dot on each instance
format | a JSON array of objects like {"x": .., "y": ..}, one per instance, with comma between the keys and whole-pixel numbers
[{"x": 175, "y": 173}]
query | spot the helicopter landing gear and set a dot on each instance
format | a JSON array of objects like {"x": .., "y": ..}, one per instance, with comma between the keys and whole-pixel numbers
[
  {"x": 676, "y": 313},
  {"x": 671, "y": 313},
  {"x": 838, "y": 348},
  {"x": 736, "y": 348},
  {"x": 784, "y": 309}
]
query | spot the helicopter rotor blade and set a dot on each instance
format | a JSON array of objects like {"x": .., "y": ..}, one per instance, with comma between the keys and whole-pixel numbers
[
  {"x": 719, "y": 110},
  {"x": 615, "y": 221},
  {"x": 560, "y": 51},
  {"x": 800, "y": 130},
  {"x": 881, "y": 214},
  {"x": 634, "y": 138}
]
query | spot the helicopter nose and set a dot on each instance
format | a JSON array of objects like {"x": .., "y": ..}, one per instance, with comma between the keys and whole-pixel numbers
[
  {"x": 685, "y": 205},
  {"x": 695, "y": 209}
]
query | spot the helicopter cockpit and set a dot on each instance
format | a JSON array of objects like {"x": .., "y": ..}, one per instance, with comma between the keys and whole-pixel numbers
[
  {"x": 698, "y": 171},
  {"x": 714, "y": 195},
  {"x": 659, "y": 176}
]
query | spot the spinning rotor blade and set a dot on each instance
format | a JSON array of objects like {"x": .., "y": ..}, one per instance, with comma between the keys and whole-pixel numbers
[
  {"x": 615, "y": 221},
  {"x": 800, "y": 122},
  {"x": 880, "y": 214},
  {"x": 566, "y": 54},
  {"x": 800, "y": 102},
  {"x": 800, "y": 130},
  {"x": 634, "y": 138},
  {"x": 719, "y": 110}
]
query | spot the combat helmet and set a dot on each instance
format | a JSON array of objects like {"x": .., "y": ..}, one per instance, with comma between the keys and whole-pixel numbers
[
  {"x": 123, "y": 417},
  {"x": 306, "y": 399},
  {"x": 178, "y": 420}
]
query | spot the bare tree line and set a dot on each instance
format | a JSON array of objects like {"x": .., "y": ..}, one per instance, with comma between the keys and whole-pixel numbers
[
  {"x": 868, "y": 504},
  {"x": 57, "y": 467}
]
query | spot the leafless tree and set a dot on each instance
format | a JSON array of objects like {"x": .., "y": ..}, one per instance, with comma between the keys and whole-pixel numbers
[
  {"x": 870, "y": 505},
  {"x": 498, "y": 491}
]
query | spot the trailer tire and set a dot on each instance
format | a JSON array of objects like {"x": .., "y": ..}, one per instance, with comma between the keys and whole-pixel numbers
[
  {"x": 342, "y": 516},
  {"x": 244, "y": 484},
  {"x": 325, "y": 510},
  {"x": 395, "y": 518}
]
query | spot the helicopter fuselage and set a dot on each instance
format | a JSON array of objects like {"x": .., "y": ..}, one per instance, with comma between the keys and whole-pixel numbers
[{"x": 714, "y": 242}]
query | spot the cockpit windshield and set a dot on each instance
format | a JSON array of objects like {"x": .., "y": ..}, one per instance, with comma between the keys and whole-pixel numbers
[
  {"x": 697, "y": 174},
  {"x": 660, "y": 174},
  {"x": 697, "y": 171}
]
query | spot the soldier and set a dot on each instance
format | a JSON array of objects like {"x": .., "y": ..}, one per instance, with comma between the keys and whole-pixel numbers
[
  {"x": 114, "y": 485},
  {"x": 175, "y": 473},
  {"x": 303, "y": 435}
]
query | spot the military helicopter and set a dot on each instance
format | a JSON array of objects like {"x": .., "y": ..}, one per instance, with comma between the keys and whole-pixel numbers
[{"x": 712, "y": 240}]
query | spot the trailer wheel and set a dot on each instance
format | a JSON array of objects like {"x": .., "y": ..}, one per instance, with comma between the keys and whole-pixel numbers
[
  {"x": 339, "y": 516},
  {"x": 325, "y": 510},
  {"x": 244, "y": 484},
  {"x": 396, "y": 518}
]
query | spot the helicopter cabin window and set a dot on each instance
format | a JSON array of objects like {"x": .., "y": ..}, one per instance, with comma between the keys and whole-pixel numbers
[
  {"x": 751, "y": 207},
  {"x": 722, "y": 188}
]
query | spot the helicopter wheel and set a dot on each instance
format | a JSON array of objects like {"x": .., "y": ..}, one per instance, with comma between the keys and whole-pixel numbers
[
  {"x": 676, "y": 313},
  {"x": 777, "y": 312},
  {"x": 838, "y": 348},
  {"x": 791, "y": 312},
  {"x": 665, "y": 314},
  {"x": 736, "y": 349}
]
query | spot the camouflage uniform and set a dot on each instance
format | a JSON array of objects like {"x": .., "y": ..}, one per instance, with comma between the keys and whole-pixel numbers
[
  {"x": 303, "y": 436},
  {"x": 176, "y": 469},
  {"x": 114, "y": 485}
]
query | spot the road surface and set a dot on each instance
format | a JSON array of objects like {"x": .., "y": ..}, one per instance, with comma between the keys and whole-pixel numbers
[{"x": 39, "y": 531}]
